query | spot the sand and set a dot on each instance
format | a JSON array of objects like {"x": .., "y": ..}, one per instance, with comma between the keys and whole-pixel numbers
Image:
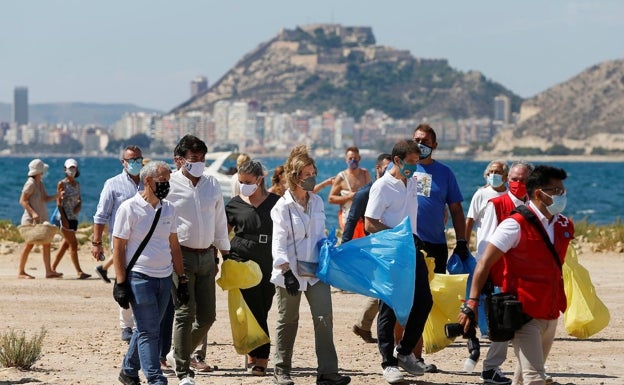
[{"x": 83, "y": 343}]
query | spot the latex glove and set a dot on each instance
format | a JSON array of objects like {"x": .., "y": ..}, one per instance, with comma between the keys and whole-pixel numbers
[
  {"x": 291, "y": 283},
  {"x": 461, "y": 249},
  {"x": 183, "y": 293},
  {"x": 122, "y": 294}
]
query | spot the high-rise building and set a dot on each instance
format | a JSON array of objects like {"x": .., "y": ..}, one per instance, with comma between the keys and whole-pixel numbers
[
  {"x": 198, "y": 85},
  {"x": 502, "y": 107},
  {"x": 19, "y": 112}
]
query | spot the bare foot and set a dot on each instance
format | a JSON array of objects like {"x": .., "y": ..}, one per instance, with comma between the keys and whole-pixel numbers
[{"x": 25, "y": 276}]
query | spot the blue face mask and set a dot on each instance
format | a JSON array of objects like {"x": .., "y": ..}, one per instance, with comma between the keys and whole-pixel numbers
[
  {"x": 134, "y": 167},
  {"x": 407, "y": 170},
  {"x": 353, "y": 164},
  {"x": 558, "y": 204},
  {"x": 425, "y": 151},
  {"x": 495, "y": 180}
]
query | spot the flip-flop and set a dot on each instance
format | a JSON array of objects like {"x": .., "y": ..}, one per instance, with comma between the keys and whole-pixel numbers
[
  {"x": 258, "y": 370},
  {"x": 25, "y": 276},
  {"x": 84, "y": 276}
]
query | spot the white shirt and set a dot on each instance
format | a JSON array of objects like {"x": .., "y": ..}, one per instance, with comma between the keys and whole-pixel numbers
[
  {"x": 289, "y": 216},
  {"x": 200, "y": 210},
  {"x": 476, "y": 210},
  {"x": 133, "y": 220},
  {"x": 507, "y": 235},
  {"x": 489, "y": 224},
  {"x": 390, "y": 201}
]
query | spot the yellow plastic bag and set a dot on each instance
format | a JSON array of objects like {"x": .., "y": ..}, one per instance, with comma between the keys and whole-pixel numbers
[
  {"x": 246, "y": 332},
  {"x": 448, "y": 292},
  {"x": 586, "y": 314}
]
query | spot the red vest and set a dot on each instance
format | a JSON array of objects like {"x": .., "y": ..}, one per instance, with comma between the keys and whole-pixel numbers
[
  {"x": 531, "y": 271},
  {"x": 503, "y": 206}
]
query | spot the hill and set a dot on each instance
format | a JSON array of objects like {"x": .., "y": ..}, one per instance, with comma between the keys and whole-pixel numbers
[
  {"x": 585, "y": 112},
  {"x": 322, "y": 66},
  {"x": 79, "y": 113}
]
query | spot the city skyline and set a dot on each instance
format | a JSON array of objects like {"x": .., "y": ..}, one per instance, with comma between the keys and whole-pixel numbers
[{"x": 148, "y": 52}]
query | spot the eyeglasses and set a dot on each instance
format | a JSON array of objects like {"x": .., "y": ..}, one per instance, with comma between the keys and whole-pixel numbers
[
  {"x": 556, "y": 190},
  {"x": 134, "y": 160}
]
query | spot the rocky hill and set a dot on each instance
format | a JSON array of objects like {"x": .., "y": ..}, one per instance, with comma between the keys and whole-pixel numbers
[
  {"x": 322, "y": 66},
  {"x": 584, "y": 112}
]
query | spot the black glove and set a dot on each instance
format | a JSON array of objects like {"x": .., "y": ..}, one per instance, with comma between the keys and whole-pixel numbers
[
  {"x": 122, "y": 294},
  {"x": 291, "y": 283},
  {"x": 461, "y": 249},
  {"x": 183, "y": 293}
]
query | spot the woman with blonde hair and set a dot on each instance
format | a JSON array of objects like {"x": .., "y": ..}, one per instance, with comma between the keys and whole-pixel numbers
[{"x": 298, "y": 225}]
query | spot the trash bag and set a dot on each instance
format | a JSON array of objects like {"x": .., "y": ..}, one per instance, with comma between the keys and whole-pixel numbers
[
  {"x": 586, "y": 314},
  {"x": 447, "y": 292},
  {"x": 55, "y": 218},
  {"x": 381, "y": 265},
  {"x": 455, "y": 265},
  {"x": 246, "y": 332}
]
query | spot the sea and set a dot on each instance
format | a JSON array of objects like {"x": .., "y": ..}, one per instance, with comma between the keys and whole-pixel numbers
[{"x": 595, "y": 189}]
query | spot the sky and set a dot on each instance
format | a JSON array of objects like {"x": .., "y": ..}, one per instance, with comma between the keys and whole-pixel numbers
[{"x": 146, "y": 52}]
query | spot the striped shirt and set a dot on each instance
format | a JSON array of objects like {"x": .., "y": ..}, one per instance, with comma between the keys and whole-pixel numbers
[{"x": 115, "y": 191}]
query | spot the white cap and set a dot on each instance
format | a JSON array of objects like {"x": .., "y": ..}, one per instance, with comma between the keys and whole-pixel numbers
[
  {"x": 36, "y": 167},
  {"x": 71, "y": 162}
]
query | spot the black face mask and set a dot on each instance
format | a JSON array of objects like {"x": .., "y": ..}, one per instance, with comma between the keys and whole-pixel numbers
[
  {"x": 308, "y": 183},
  {"x": 162, "y": 190}
]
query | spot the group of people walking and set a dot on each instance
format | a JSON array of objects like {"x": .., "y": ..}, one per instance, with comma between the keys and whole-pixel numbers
[{"x": 167, "y": 230}]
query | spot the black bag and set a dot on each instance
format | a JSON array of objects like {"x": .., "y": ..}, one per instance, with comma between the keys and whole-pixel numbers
[{"x": 504, "y": 316}]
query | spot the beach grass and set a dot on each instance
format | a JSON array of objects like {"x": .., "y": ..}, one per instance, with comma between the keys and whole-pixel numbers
[{"x": 18, "y": 351}]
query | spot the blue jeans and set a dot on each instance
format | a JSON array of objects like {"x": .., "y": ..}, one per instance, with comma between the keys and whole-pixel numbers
[{"x": 150, "y": 299}]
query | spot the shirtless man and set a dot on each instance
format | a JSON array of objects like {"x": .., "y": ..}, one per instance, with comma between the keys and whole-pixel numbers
[{"x": 346, "y": 184}]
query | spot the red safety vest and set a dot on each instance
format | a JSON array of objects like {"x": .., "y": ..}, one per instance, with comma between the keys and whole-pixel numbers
[
  {"x": 503, "y": 206},
  {"x": 531, "y": 271}
]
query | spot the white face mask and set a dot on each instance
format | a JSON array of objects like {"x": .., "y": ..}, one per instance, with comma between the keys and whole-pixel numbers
[
  {"x": 248, "y": 189},
  {"x": 196, "y": 169}
]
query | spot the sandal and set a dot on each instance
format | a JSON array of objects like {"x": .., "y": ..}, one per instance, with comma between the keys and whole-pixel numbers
[
  {"x": 25, "y": 276},
  {"x": 54, "y": 274},
  {"x": 258, "y": 370}
]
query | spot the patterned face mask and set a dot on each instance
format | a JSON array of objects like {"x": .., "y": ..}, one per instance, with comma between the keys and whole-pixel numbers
[{"x": 162, "y": 190}]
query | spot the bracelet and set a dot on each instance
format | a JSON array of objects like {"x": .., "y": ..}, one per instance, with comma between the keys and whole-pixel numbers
[
  {"x": 473, "y": 299},
  {"x": 182, "y": 277},
  {"x": 93, "y": 243}
]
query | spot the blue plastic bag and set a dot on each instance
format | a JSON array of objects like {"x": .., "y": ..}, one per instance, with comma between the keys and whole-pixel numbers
[
  {"x": 55, "y": 219},
  {"x": 455, "y": 265},
  {"x": 381, "y": 265}
]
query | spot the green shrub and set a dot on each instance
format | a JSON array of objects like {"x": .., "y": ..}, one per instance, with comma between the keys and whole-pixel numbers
[{"x": 19, "y": 352}]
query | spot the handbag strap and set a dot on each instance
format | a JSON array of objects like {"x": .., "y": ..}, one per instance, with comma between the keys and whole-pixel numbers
[
  {"x": 142, "y": 245},
  {"x": 530, "y": 216},
  {"x": 292, "y": 228}
]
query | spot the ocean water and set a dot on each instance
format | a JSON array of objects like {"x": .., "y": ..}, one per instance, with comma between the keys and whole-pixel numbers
[{"x": 595, "y": 189}]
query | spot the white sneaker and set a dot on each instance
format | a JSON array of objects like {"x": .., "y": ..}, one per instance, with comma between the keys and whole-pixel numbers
[
  {"x": 392, "y": 375},
  {"x": 409, "y": 363},
  {"x": 171, "y": 360},
  {"x": 187, "y": 381}
]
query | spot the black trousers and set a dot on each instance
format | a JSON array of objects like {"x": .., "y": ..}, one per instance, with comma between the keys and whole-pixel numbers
[
  {"x": 415, "y": 323},
  {"x": 259, "y": 300}
]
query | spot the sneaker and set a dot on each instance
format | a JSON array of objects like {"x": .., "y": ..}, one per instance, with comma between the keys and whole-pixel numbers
[
  {"x": 187, "y": 381},
  {"x": 548, "y": 380},
  {"x": 332, "y": 379},
  {"x": 428, "y": 368},
  {"x": 126, "y": 334},
  {"x": 494, "y": 376},
  {"x": 282, "y": 379},
  {"x": 171, "y": 360},
  {"x": 366, "y": 335},
  {"x": 392, "y": 375},
  {"x": 102, "y": 274},
  {"x": 409, "y": 363},
  {"x": 128, "y": 380},
  {"x": 200, "y": 365}
]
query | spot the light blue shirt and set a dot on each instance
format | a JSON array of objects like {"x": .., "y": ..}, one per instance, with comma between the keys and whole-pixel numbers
[{"x": 116, "y": 190}]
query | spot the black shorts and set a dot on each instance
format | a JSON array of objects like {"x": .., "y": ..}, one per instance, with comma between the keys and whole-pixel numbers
[{"x": 73, "y": 225}]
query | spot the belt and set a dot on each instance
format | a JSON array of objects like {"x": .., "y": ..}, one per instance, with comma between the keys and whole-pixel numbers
[
  {"x": 192, "y": 250},
  {"x": 259, "y": 238}
]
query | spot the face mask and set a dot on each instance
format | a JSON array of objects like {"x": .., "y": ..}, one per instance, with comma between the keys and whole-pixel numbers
[
  {"x": 134, "y": 168},
  {"x": 425, "y": 151},
  {"x": 70, "y": 173},
  {"x": 162, "y": 190},
  {"x": 353, "y": 164},
  {"x": 196, "y": 169},
  {"x": 308, "y": 183},
  {"x": 495, "y": 180},
  {"x": 558, "y": 204},
  {"x": 517, "y": 188},
  {"x": 407, "y": 170},
  {"x": 248, "y": 189}
]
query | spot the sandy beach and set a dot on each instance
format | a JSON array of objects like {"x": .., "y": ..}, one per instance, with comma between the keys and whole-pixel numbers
[{"x": 82, "y": 345}]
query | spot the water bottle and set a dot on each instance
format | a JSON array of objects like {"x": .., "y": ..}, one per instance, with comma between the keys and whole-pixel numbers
[{"x": 101, "y": 257}]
